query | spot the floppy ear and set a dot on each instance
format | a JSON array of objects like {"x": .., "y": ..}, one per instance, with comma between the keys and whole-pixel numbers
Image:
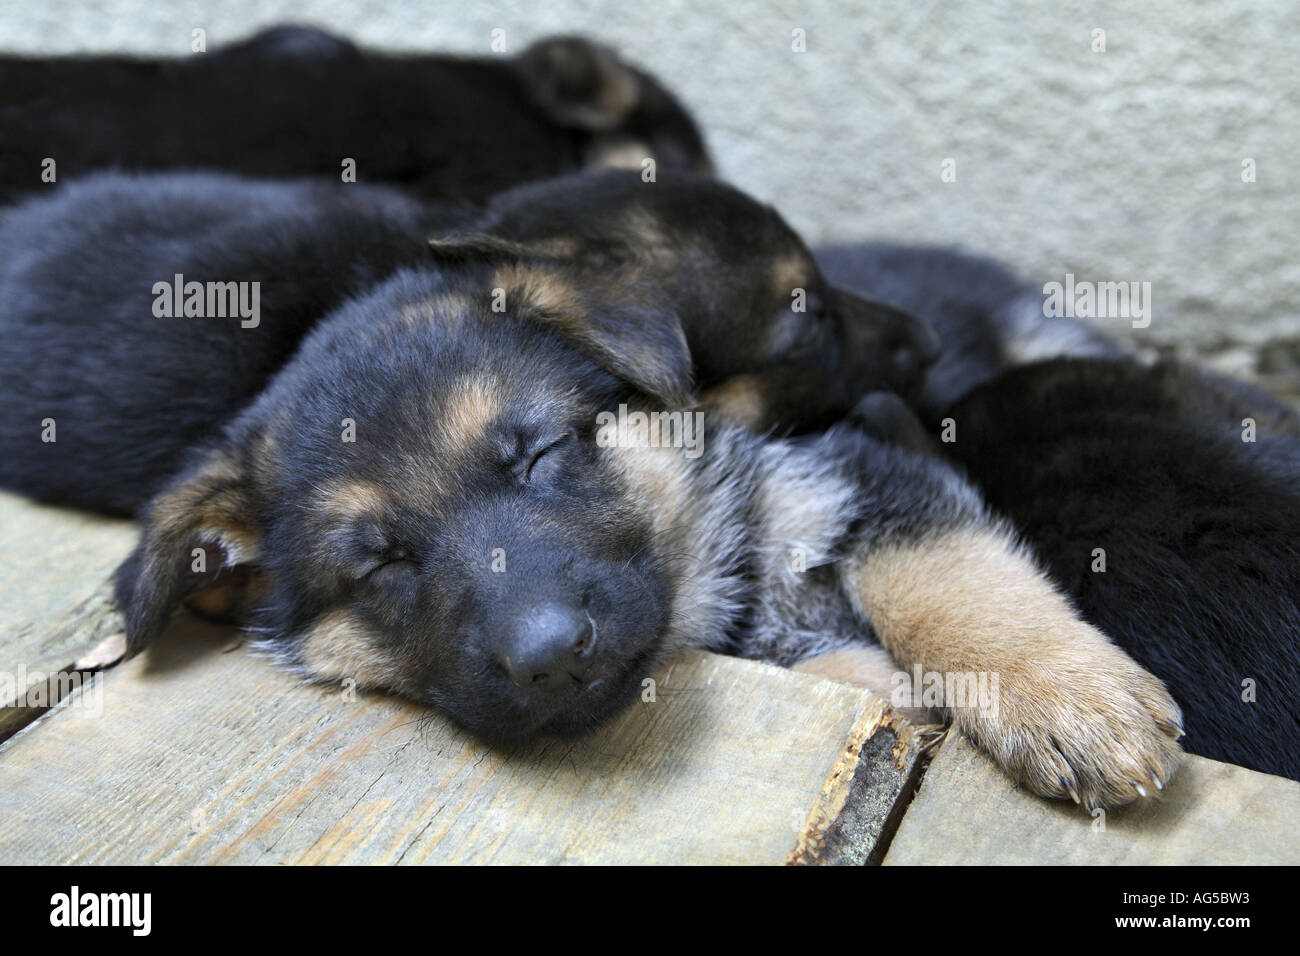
[
  {"x": 199, "y": 535},
  {"x": 609, "y": 312},
  {"x": 580, "y": 84},
  {"x": 629, "y": 330}
]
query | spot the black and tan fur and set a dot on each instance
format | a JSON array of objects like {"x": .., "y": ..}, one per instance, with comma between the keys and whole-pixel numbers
[
  {"x": 476, "y": 514},
  {"x": 694, "y": 268},
  {"x": 773, "y": 344},
  {"x": 377, "y": 556},
  {"x": 1163, "y": 497}
]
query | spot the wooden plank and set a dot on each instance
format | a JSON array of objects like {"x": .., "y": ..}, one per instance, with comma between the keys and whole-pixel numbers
[
  {"x": 201, "y": 756},
  {"x": 51, "y": 560},
  {"x": 967, "y": 812},
  {"x": 865, "y": 794},
  {"x": 55, "y": 595}
]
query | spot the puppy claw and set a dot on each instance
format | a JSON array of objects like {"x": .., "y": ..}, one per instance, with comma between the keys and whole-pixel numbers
[
  {"x": 1071, "y": 789},
  {"x": 1081, "y": 720},
  {"x": 1172, "y": 728}
]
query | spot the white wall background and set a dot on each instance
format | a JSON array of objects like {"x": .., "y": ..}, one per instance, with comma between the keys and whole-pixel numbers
[{"x": 1122, "y": 165}]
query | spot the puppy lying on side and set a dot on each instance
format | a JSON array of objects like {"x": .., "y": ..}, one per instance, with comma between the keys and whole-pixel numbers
[
  {"x": 513, "y": 515},
  {"x": 773, "y": 345},
  {"x": 296, "y": 101},
  {"x": 1174, "y": 526},
  {"x": 91, "y": 339},
  {"x": 97, "y": 345},
  {"x": 1164, "y": 498}
]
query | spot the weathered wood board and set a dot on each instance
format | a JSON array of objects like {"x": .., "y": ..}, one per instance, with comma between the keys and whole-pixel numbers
[
  {"x": 205, "y": 756},
  {"x": 967, "y": 812},
  {"x": 201, "y": 753},
  {"x": 55, "y": 595},
  {"x": 52, "y": 560}
]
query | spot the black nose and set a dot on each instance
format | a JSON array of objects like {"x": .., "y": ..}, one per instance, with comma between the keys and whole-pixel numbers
[
  {"x": 550, "y": 647},
  {"x": 902, "y": 346}
]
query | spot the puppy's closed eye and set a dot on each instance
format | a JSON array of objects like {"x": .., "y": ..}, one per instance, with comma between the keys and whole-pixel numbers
[
  {"x": 788, "y": 331},
  {"x": 389, "y": 565},
  {"x": 372, "y": 555},
  {"x": 542, "y": 459}
]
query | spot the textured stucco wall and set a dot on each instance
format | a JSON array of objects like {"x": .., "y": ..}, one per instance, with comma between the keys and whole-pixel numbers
[{"x": 1116, "y": 165}]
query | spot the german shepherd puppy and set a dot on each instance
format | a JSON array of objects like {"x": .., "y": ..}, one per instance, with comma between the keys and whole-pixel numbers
[
  {"x": 1164, "y": 498},
  {"x": 773, "y": 345},
  {"x": 296, "y": 101},
  {"x": 512, "y": 514},
  {"x": 107, "y": 285}
]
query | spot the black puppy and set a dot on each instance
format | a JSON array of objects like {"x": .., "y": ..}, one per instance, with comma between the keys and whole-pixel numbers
[
  {"x": 1166, "y": 501},
  {"x": 295, "y": 101},
  {"x": 94, "y": 332},
  {"x": 1164, "y": 498},
  {"x": 86, "y": 272}
]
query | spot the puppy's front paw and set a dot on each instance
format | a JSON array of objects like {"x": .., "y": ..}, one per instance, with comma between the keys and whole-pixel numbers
[{"x": 1083, "y": 721}]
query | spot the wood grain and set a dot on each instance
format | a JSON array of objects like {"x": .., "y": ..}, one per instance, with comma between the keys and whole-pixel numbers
[
  {"x": 865, "y": 794},
  {"x": 201, "y": 756},
  {"x": 967, "y": 812},
  {"x": 55, "y": 595}
]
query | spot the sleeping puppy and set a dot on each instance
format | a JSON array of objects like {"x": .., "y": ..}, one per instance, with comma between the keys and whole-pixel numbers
[
  {"x": 1164, "y": 498},
  {"x": 296, "y": 101},
  {"x": 483, "y": 485},
  {"x": 107, "y": 375},
  {"x": 124, "y": 342},
  {"x": 774, "y": 345},
  {"x": 513, "y": 517}
]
